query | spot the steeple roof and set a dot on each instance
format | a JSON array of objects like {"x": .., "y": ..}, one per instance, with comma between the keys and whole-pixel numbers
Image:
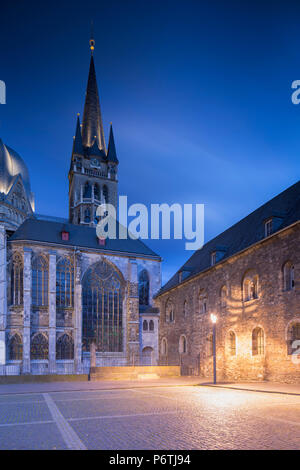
[
  {"x": 111, "y": 153},
  {"x": 77, "y": 145},
  {"x": 92, "y": 120}
]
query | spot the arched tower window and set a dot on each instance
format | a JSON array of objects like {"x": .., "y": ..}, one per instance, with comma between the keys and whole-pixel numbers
[
  {"x": 87, "y": 190},
  {"x": 288, "y": 276},
  {"x": 64, "y": 283},
  {"x": 97, "y": 191},
  {"x": 258, "y": 346},
  {"x": 87, "y": 215},
  {"x": 64, "y": 347},
  {"x": 15, "y": 348},
  {"x": 144, "y": 288},
  {"x": 16, "y": 280},
  {"x": 39, "y": 347},
  {"x": 145, "y": 325},
  {"x": 39, "y": 281},
  {"x": 151, "y": 325},
  {"x": 102, "y": 308}
]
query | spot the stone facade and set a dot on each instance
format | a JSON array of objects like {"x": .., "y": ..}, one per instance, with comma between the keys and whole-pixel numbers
[
  {"x": 275, "y": 310},
  {"x": 26, "y": 321}
]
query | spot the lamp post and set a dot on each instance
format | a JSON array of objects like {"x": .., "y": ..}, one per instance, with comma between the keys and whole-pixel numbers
[{"x": 214, "y": 321}]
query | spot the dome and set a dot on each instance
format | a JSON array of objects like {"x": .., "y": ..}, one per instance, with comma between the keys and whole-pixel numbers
[{"x": 12, "y": 165}]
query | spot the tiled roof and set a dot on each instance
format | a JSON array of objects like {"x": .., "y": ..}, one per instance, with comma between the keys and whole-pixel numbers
[
  {"x": 48, "y": 231},
  {"x": 285, "y": 208}
]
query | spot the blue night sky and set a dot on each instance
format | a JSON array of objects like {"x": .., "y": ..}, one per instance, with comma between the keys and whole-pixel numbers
[{"x": 199, "y": 93}]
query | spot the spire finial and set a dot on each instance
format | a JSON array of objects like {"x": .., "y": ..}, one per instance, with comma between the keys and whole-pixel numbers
[{"x": 92, "y": 40}]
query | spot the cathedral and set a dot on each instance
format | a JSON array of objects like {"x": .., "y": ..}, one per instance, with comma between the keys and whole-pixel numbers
[{"x": 62, "y": 288}]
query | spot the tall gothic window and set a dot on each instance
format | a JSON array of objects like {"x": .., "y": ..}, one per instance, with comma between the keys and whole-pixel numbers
[
  {"x": 87, "y": 190},
  {"x": 102, "y": 308},
  {"x": 39, "y": 347},
  {"x": 145, "y": 325},
  {"x": 64, "y": 283},
  {"x": 144, "y": 288},
  {"x": 202, "y": 301},
  {"x": 39, "y": 281},
  {"x": 64, "y": 347},
  {"x": 15, "y": 348},
  {"x": 288, "y": 276},
  {"x": 182, "y": 344},
  {"x": 164, "y": 347},
  {"x": 210, "y": 345},
  {"x": 170, "y": 316},
  {"x": 97, "y": 191},
  {"x": 16, "y": 283},
  {"x": 258, "y": 346}
]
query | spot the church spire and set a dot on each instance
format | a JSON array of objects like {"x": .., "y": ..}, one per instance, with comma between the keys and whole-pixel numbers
[
  {"x": 77, "y": 145},
  {"x": 92, "y": 120}
]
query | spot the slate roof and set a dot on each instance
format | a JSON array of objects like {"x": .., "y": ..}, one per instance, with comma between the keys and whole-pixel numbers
[
  {"x": 248, "y": 231},
  {"x": 48, "y": 231}
]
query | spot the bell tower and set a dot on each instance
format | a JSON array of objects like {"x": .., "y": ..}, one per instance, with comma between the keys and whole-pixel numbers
[{"x": 93, "y": 170}]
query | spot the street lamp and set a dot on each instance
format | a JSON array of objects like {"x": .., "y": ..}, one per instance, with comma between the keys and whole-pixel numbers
[{"x": 214, "y": 321}]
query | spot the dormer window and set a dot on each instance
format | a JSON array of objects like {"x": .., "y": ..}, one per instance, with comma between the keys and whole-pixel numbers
[
  {"x": 65, "y": 235},
  {"x": 217, "y": 255},
  {"x": 268, "y": 227}
]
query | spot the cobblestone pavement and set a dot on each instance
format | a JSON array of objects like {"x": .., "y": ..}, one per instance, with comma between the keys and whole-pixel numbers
[{"x": 184, "y": 417}]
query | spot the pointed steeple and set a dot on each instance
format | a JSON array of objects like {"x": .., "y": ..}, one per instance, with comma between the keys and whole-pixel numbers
[
  {"x": 92, "y": 119},
  {"x": 77, "y": 145},
  {"x": 111, "y": 153}
]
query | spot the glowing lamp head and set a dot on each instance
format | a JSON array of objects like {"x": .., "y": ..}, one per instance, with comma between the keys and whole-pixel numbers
[{"x": 213, "y": 318}]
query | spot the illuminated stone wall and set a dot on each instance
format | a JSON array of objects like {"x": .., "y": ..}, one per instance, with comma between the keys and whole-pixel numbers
[{"x": 273, "y": 311}]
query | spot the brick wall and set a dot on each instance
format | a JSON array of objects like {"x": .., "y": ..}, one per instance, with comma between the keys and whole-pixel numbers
[{"x": 273, "y": 311}]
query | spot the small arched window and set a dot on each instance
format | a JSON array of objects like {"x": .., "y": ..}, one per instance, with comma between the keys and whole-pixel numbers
[
  {"x": 258, "y": 347},
  {"x": 210, "y": 345},
  {"x": 145, "y": 325},
  {"x": 185, "y": 308},
  {"x": 164, "y": 347},
  {"x": 202, "y": 302},
  {"x": 170, "y": 317},
  {"x": 293, "y": 339},
  {"x": 15, "y": 348},
  {"x": 182, "y": 345},
  {"x": 288, "y": 276},
  {"x": 97, "y": 191},
  {"x": 250, "y": 287},
  {"x": 87, "y": 190},
  {"x": 143, "y": 288},
  {"x": 224, "y": 297},
  {"x": 64, "y": 283},
  {"x": 64, "y": 347},
  {"x": 39, "y": 281},
  {"x": 151, "y": 325},
  {"x": 39, "y": 347},
  {"x": 232, "y": 343},
  {"x": 16, "y": 280}
]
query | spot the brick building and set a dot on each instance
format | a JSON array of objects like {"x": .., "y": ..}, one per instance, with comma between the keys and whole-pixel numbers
[{"x": 249, "y": 277}]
